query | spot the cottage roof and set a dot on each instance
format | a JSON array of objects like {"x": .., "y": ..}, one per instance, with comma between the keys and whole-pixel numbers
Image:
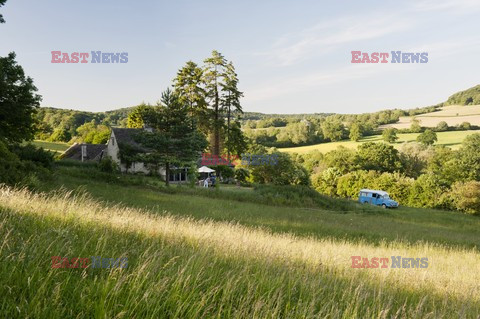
[
  {"x": 94, "y": 151},
  {"x": 125, "y": 136}
]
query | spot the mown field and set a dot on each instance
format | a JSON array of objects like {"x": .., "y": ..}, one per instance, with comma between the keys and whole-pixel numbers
[
  {"x": 451, "y": 139},
  {"x": 227, "y": 253},
  {"x": 452, "y": 115},
  {"x": 57, "y": 147}
]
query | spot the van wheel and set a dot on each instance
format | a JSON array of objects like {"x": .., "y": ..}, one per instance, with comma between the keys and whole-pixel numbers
[
  {"x": 384, "y": 206},
  {"x": 365, "y": 202}
]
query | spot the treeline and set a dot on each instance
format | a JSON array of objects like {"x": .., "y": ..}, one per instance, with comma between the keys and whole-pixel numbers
[
  {"x": 61, "y": 125},
  {"x": 416, "y": 175},
  {"x": 319, "y": 129},
  {"x": 470, "y": 96}
]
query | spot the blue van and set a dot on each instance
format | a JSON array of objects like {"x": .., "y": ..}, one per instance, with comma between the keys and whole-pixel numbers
[{"x": 376, "y": 197}]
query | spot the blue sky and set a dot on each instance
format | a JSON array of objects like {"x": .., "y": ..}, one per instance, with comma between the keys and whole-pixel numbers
[{"x": 291, "y": 56}]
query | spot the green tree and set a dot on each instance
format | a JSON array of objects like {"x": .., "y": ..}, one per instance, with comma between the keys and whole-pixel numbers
[
  {"x": 189, "y": 86},
  {"x": 2, "y": 3},
  {"x": 342, "y": 158},
  {"x": 128, "y": 155},
  {"x": 465, "y": 126},
  {"x": 325, "y": 182},
  {"x": 18, "y": 102},
  {"x": 447, "y": 165},
  {"x": 442, "y": 126},
  {"x": 415, "y": 127},
  {"x": 469, "y": 156},
  {"x": 390, "y": 135},
  {"x": 356, "y": 131},
  {"x": 378, "y": 156},
  {"x": 230, "y": 102},
  {"x": 333, "y": 129},
  {"x": 426, "y": 191},
  {"x": 284, "y": 172},
  {"x": 236, "y": 143},
  {"x": 428, "y": 137},
  {"x": 466, "y": 196},
  {"x": 60, "y": 134},
  {"x": 173, "y": 141},
  {"x": 141, "y": 115},
  {"x": 213, "y": 75}
]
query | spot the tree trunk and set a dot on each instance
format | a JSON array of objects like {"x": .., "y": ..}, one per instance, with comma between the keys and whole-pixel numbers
[
  {"x": 216, "y": 133},
  {"x": 167, "y": 174},
  {"x": 228, "y": 129}
]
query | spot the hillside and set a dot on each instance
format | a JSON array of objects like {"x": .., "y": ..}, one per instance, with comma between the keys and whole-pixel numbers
[
  {"x": 451, "y": 139},
  {"x": 190, "y": 256},
  {"x": 453, "y": 115},
  {"x": 470, "y": 96}
]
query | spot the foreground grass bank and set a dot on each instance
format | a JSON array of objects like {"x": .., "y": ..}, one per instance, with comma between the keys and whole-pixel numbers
[{"x": 181, "y": 268}]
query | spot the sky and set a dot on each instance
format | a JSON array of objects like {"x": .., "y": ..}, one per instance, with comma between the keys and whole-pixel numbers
[{"x": 290, "y": 56}]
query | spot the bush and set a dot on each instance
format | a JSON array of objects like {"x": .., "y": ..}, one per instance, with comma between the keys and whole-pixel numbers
[
  {"x": 466, "y": 196},
  {"x": 441, "y": 127},
  {"x": 225, "y": 171},
  {"x": 428, "y": 137},
  {"x": 38, "y": 155},
  {"x": 24, "y": 165},
  {"x": 107, "y": 165}
]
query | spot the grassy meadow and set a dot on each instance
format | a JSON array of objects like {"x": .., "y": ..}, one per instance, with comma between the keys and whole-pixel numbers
[
  {"x": 451, "y": 139},
  {"x": 201, "y": 253},
  {"x": 57, "y": 147}
]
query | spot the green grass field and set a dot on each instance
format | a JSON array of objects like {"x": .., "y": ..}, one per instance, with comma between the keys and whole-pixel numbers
[
  {"x": 451, "y": 139},
  {"x": 57, "y": 147},
  {"x": 204, "y": 253}
]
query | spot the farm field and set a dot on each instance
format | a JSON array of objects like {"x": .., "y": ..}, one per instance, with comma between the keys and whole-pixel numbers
[
  {"x": 451, "y": 139},
  {"x": 453, "y": 115},
  {"x": 57, "y": 147},
  {"x": 199, "y": 256}
]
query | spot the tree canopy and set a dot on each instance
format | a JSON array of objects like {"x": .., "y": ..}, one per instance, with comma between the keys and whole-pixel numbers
[{"x": 18, "y": 102}]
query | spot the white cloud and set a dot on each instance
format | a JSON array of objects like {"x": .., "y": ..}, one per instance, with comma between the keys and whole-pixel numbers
[
  {"x": 452, "y": 6},
  {"x": 300, "y": 84},
  {"x": 324, "y": 37}
]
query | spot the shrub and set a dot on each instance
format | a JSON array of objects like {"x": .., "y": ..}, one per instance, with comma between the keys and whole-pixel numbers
[
  {"x": 241, "y": 174},
  {"x": 107, "y": 165},
  {"x": 32, "y": 153},
  {"x": 441, "y": 126},
  {"x": 428, "y": 137},
  {"x": 390, "y": 135},
  {"x": 465, "y": 126},
  {"x": 466, "y": 196},
  {"x": 326, "y": 181},
  {"x": 426, "y": 191}
]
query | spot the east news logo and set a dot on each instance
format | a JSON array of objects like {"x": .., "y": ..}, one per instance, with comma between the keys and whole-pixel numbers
[
  {"x": 96, "y": 57},
  {"x": 395, "y": 57},
  {"x": 397, "y": 262}
]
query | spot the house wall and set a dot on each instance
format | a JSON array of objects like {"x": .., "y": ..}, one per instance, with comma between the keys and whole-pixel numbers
[
  {"x": 137, "y": 167},
  {"x": 112, "y": 148}
]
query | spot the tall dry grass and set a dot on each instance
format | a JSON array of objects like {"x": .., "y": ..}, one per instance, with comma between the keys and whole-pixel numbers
[{"x": 284, "y": 266}]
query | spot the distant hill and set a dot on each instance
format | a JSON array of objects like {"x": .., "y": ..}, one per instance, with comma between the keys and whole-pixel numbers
[{"x": 470, "y": 96}]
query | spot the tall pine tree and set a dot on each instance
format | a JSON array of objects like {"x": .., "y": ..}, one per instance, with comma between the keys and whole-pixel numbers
[
  {"x": 213, "y": 75},
  {"x": 231, "y": 104},
  {"x": 189, "y": 86}
]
